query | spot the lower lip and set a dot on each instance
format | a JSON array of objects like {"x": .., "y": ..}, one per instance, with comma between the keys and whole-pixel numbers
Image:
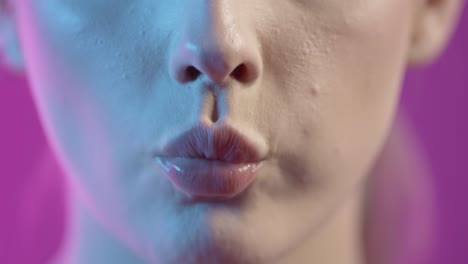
[{"x": 208, "y": 179}]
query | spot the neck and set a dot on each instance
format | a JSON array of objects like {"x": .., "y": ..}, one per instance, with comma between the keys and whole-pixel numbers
[
  {"x": 86, "y": 241},
  {"x": 339, "y": 240}
]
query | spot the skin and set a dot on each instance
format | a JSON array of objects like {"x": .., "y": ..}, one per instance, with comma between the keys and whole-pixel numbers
[{"x": 316, "y": 81}]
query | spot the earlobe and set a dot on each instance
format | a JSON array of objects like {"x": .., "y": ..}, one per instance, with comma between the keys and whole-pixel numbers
[
  {"x": 9, "y": 42},
  {"x": 432, "y": 28}
]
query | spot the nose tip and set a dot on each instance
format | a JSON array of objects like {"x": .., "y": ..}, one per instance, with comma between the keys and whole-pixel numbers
[{"x": 217, "y": 61}]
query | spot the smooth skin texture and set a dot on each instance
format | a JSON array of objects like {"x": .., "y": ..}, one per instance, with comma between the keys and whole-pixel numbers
[{"x": 317, "y": 80}]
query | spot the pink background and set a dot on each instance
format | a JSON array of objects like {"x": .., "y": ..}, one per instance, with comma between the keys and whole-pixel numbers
[{"x": 31, "y": 190}]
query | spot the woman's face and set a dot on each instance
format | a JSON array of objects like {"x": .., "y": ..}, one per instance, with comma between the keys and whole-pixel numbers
[{"x": 313, "y": 82}]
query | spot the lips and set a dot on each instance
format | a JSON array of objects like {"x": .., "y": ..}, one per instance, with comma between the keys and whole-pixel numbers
[
  {"x": 198, "y": 178},
  {"x": 211, "y": 162}
]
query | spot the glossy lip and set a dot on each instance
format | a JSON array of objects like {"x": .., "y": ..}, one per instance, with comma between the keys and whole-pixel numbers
[
  {"x": 208, "y": 179},
  {"x": 211, "y": 163}
]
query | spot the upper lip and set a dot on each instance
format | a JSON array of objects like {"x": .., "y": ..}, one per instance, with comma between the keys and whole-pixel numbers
[{"x": 222, "y": 143}]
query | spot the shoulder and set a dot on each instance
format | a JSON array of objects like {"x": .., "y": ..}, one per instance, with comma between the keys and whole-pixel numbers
[{"x": 400, "y": 204}]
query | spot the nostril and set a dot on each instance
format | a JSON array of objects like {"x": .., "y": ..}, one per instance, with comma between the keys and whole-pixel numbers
[
  {"x": 240, "y": 72},
  {"x": 192, "y": 73}
]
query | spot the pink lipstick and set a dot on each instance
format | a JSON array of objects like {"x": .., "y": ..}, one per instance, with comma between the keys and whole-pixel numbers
[
  {"x": 211, "y": 162},
  {"x": 202, "y": 178}
]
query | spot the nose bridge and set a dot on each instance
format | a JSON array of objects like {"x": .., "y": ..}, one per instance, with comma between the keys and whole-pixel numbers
[
  {"x": 213, "y": 44},
  {"x": 215, "y": 24}
]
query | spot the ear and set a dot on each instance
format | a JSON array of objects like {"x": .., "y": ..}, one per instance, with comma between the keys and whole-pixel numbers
[
  {"x": 9, "y": 42},
  {"x": 433, "y": 25}
]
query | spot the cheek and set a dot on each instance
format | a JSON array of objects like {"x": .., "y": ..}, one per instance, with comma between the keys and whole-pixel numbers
[
  {"x": 370, "y": 64},
  {"x": 343, "y": 74},
  {"x": 63, "y": 57},
  {"x": 365, "y": 76}
]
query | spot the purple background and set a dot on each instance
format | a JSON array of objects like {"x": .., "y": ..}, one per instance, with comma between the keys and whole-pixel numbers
[{"x": 435, "y": 99}]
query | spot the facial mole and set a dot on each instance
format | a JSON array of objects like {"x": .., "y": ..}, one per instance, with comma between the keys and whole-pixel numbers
[
  {"x": 314, "y": 90},
  {"x": 143, "y": 32}
]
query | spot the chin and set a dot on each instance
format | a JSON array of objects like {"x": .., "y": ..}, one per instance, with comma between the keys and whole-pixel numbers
[
  {"x": 212, "y": 244},
  {"x": 208, "y": 253}
]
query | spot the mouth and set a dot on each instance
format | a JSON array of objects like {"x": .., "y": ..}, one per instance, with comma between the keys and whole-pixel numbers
[
  {"x": 211, "y": 163},
  {"x": 208, "y": 179}
]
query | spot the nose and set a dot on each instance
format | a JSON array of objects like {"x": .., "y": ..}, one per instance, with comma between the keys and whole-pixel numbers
[{"x": 212, "y": 45}]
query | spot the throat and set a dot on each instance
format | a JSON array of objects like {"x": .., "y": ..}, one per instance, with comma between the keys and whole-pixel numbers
[{"x": 87, "y": 241}]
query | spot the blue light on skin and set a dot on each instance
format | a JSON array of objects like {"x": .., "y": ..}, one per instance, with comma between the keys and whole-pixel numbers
[{"x": 317, "y": 80}]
